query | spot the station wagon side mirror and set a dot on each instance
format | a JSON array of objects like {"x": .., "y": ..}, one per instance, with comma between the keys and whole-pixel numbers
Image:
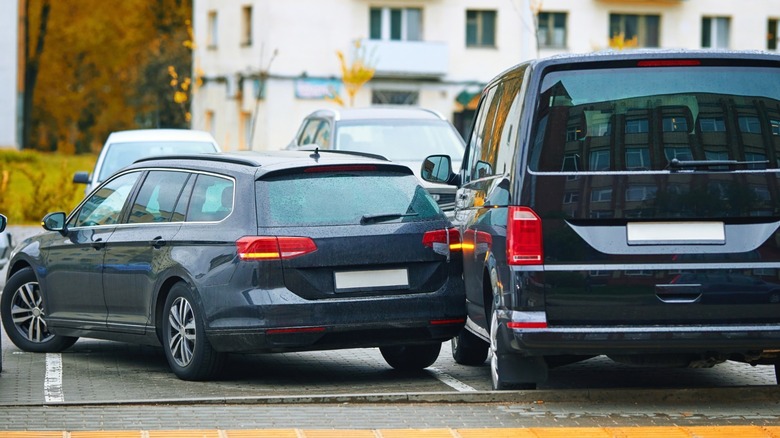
[
  {"x": 3, "y": 222},
  {"x": 438, "y": 169},
  {"x": 54, "y": 222},
  {"x": 81, "y": 178}
]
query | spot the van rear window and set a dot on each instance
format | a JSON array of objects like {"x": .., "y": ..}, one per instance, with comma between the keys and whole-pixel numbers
[{"x": 641, "y": 119}]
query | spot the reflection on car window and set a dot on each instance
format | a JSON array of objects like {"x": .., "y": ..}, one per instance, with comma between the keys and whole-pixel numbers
[
  {"x": 405, "y": 140},
  {"x": 105, "y": 206},
  {"x": 156, "y": 198},
  {"x": 212, "y": 199},
  {"x": 343, "y": 198},
  {"x": 120, "y": 155}
]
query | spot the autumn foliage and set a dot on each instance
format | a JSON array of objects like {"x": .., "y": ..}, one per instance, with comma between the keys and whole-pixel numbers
[{"x": 104, "y": 66}]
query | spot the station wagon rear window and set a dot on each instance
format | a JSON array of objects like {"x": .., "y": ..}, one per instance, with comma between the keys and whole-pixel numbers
[
  {"x": 642, "y": 118},
  {"x": 343, "y": 198}
]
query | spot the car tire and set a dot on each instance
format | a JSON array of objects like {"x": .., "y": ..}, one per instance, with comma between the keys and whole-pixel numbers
[
  {"x": 469, "y": 349},
  {"x": 190, "y": 354},
  {"x": 411, "y": 357},
  {"x": 24, "y": 315},
  {"x": 498, "y": 366}
]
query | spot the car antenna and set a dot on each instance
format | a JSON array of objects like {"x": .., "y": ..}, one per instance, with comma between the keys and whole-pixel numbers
[{"x": 316, "y": 154}]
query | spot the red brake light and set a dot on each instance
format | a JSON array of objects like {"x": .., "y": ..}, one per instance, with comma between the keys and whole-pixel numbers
[
  {"x": 669, "y": 63},
  {"x": 272, "y": 247},
  {"x": 523, "y": 237},
  {"x": 438, "y": 239}
]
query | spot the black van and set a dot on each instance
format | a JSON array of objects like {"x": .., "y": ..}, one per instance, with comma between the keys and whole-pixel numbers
[{"x": 623, "y": 204}]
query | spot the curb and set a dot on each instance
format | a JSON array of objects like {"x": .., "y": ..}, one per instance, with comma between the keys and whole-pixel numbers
[{"x": 770, "y": 394}]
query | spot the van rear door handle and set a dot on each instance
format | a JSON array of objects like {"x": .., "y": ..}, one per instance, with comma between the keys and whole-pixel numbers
[
  {"x": 678, "y": 293},
  {"x": 158, "y": 242}
]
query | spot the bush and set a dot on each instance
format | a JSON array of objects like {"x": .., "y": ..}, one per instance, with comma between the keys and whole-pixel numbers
[{"x": 35, "y": 183}]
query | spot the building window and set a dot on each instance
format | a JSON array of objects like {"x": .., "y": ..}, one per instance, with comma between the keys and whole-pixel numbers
[
  {"x": 601, "y": 195},
  {"x": 245, "y": 140},
  {"x": 772, "y": 34},
  {"x": 599, "y": 160},
  {"x": 774, "y": 125},
  {"x": 396, "y": 24},
  {"x": 643, "y": 28},
  {"x": 480, "y": 28},
  {"x": 749, "y": 124},
  {"x": 246, "y": 26},
  {"x": 682, "y": 153},
  {"x": 715, "y": 32},
  {"x": 637, "y": 158},
  {"x": 571, "y": 197},
  {"x": 636, "y": 126},
  {"x": 552, "y": 29},
  {"x": 212, "y": 30},
  {"x": 712, "y": 124},
  {"x": 393, "y": 97},
  {"x": 675, "y": 124}
]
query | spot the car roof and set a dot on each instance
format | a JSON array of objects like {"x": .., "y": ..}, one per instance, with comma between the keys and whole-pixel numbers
[
  {"x": 261, "y": 163},
  {"x": 379, "y": 112},
  {"x": 142, "y": 135}
]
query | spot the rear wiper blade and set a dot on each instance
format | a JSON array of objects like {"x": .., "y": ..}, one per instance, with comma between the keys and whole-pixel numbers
[
  {"x": 374, "y": 218},
  {"x": 678, "y": 164}
]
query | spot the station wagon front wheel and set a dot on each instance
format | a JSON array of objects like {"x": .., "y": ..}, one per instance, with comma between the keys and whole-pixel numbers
[
  {"x": 23, "y": 311},
  {"x": 190, "y": 355}
]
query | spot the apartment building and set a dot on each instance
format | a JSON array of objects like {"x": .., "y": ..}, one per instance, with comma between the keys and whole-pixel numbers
[
  {"x": 9, "y": 84},
  {"x": 266, "y": 64}
]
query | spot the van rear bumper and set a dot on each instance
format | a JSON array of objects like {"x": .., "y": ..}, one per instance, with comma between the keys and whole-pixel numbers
[{"x": 642, "y": 340}]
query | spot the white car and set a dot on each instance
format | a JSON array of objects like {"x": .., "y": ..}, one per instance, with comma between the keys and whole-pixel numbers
[
  {"x": 6, "y": 243},
  {"x": 122, "y": 148}
]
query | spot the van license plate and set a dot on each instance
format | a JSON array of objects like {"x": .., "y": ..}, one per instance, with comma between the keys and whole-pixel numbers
[
  {"x": 384, "y": 279},
  {"x": 676, "y": 233}
]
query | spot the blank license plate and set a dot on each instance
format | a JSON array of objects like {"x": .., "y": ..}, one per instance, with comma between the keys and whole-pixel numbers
[
  {"x": 675, "y": 233},
  {"x": 386, "y": 279}
]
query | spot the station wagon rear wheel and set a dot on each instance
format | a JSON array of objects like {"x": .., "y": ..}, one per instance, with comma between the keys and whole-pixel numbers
[
  {"x": 24, "y": 315},
  {"x": 190, "y": 355},
  {"x": 411, "y": 357}
]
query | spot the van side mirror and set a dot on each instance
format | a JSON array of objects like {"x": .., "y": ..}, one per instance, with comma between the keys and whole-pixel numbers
[
  {"x": 81, "y": 178},
  {"x": 54, "y": 222},
  {"x": 438, "y": 169},
  {"x": 3, "y": 222}
]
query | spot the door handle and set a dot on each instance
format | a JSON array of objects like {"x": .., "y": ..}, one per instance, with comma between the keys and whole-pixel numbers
[{"x": 158, "y": 242}]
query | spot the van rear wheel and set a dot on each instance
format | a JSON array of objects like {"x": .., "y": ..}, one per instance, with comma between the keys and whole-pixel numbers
[{"x": 469, "y": 349}]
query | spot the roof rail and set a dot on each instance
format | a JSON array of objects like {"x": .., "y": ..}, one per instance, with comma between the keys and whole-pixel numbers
[{"x": 233, "y": 159}]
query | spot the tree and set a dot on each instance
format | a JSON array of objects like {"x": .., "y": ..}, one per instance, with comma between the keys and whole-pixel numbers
[{"x": 355, "y": 74}]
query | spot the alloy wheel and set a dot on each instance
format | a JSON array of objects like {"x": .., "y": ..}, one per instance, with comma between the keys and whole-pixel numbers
[
  {"x": 28, "y": 313},
  {"x": 182, "y": 331}
]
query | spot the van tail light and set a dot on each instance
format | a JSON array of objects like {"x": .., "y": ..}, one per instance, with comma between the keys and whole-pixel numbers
[
  {"x": 523, "y": 237},
  {"x": 443, "y": 241},
  {"x": 273, "y": 247}
]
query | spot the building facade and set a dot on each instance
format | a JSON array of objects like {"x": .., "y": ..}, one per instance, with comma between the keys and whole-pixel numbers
[
  {"x": 9, "y": 85},
  {"x": 266, "y": 64}
]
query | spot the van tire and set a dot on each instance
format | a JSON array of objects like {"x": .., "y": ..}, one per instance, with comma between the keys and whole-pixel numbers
[
  {"x": 469, "y": 349},
  {"x": 508, "y": 370}
]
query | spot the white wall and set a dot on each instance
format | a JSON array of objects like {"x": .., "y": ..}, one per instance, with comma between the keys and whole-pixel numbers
[{"x": 8, "y": 79}]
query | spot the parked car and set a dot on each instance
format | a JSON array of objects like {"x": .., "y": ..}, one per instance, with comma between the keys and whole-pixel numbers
[
  {"x": 124, "y": 147},
  {"x": 402, "y": 134},
  {"x": 242, "y": 253},
  {"x": 3, "y": 223},
  {"x": 6, "y": 244},
  {"x": 622, "y": 204}
]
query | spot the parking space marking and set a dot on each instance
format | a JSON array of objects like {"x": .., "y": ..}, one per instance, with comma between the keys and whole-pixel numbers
[
  {"x": 450, "y": 381},
  {"x": 52, "y": 385}
]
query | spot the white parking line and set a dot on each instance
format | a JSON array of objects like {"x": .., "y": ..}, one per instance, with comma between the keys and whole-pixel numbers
[
  {"x": 52, "y": 384},
  {"x": 450, "y": 381}
]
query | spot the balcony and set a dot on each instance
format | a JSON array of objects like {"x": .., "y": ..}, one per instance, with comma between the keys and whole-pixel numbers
[
  {"x": 418, "y": 59},
  {"x": 646, "y": 2}
]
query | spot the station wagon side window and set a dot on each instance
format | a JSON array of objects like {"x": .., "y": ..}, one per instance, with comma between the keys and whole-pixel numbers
[
  {"x": 104, "y": 207},
  {"x": 157, "y": 197},
  {"x": 211, "y": 200}
]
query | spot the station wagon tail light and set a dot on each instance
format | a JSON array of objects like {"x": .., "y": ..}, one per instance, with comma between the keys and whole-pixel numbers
[
  {"x": 523, "y": 237},
  {"x": 443, "y": 241},
  {"x": 273, "y": 247}
]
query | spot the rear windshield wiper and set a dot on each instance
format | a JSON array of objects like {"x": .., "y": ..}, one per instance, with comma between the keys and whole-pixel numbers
[
  {"x": 678, "y": 164},
  {"x": 374, "y": 218}
]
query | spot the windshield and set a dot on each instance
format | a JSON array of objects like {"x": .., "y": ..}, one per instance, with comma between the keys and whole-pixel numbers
[
  {"x": 120, "y": 155},
  {"x": 640, "y": 119},
  {"x": 344, "y": 198},
  {"x": 400, "y": 140}
]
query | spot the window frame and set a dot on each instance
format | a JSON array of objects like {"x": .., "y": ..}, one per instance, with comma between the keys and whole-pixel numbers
[{"x": 477, "y": 18}]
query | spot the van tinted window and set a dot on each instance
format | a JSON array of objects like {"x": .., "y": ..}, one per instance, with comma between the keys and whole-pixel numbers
[{"x": 641, "y": 118}]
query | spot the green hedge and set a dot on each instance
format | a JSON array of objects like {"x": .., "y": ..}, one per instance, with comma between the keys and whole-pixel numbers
[{"x": 35, "y": 183}]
